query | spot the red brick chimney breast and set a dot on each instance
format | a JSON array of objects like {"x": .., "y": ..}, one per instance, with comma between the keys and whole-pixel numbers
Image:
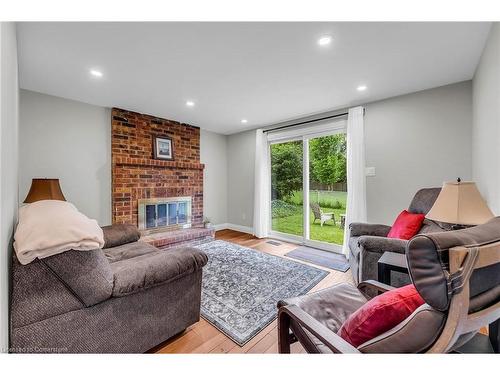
[{"x": 136, "y": 174}]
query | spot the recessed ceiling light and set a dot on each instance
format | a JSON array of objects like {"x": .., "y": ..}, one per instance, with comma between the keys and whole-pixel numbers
[
  {"x": 325, "y": 40},
  {"x": 96, "y": 73},
  {"x": 190, "y": 103},
  {"x": 244, "y": 121},
  {"x": 362, "y": 88}
]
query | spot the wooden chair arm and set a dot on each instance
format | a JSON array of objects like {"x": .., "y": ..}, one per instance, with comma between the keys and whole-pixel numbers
[
  {"x": 334, "y": 342},
  {"x": 377, "y": 285}
]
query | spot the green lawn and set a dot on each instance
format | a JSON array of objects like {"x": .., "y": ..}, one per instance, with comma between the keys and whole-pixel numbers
[{"x": 330, "y": 233}]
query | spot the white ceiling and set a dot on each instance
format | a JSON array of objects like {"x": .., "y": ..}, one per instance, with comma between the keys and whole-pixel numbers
[{"x": 263, "y": 72}]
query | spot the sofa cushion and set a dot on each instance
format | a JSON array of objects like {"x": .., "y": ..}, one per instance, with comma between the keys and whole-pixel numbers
[
  {"x": 406, "y": 225},
  {"x": 380, "y": 314},
  {"x": 129, "y": 250},
  {"x": 154, "y": 268},
  {"x": 424, "y": 326},
  {"x": 430, "y": 226},
  {"x": 120, "y": 234},
  {"x": 330, "y": 307}
]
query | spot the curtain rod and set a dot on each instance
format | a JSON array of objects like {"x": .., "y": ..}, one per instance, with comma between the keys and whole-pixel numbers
[{"x": 305, "y": 122}]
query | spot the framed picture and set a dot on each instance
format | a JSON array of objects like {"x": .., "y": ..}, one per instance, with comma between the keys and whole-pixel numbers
[{"x": 163, "y": 148}]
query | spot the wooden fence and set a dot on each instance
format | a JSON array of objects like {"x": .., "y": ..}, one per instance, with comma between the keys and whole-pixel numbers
[{"x": 339, "y": 186}]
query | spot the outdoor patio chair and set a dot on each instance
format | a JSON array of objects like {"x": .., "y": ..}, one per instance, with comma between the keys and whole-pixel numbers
[
  {"x": 456, "y": 273},
  {"x": 320, "y": 215}
]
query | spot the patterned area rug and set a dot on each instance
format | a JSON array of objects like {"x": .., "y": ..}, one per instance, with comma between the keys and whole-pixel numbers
[{"x": 242, "y": 286}]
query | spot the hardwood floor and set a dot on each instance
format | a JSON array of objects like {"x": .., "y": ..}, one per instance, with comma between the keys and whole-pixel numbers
[{"x": 202, "y": 337}]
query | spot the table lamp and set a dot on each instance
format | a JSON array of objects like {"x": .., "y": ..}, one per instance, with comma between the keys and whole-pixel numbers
[
  {"x": 44, "y": 188},
  {"x": 460, "y": 203}
]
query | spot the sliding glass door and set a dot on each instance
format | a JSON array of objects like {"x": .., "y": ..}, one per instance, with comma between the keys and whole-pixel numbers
[
  {"x": 309, "y": 189},
  {"x": 287, "y": 188},
  {"x": 327, "y": 190}
]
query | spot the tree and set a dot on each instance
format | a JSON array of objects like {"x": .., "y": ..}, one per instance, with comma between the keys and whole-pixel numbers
[
  {"x": 327, "y": 164},
  {"x": 327, "y": 156},
  {"x": 286, "y": 169}
]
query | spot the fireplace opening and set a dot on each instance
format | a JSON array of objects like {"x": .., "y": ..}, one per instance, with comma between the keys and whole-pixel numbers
[{"x": 164, "y": 213}]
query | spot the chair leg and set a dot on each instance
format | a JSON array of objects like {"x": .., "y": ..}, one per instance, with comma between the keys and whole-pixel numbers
[
  {"x": 334, "y": 221},
  {"x": 494, "y": 333},
  {"x": 283, "y": 334}
]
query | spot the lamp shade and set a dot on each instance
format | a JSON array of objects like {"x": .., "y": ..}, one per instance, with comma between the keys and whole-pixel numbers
[
  {"x": 460, "y": 203},
  {"x": 44, "y": 188}
]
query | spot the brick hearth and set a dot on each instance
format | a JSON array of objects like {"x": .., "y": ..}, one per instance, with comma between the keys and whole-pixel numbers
[
  {"x": 137, "y": 175},
  {"x": 170, "y": 239}
]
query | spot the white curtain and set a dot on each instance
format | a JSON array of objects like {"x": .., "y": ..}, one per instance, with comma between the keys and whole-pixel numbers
[
  {"x": 262, "y": 188},
  {"x": 356, "y": 176}
]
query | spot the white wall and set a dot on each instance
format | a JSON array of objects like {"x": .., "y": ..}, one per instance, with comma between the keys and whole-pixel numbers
[
  {"x": 486, "y": 122},
  {"x": 413, "y": 141},
  {"x": 240, "y": 178},
  {"x": 69, "y": 140},
  {"x": 213, "y": 153},
  {"x": 9, "y": 101}
]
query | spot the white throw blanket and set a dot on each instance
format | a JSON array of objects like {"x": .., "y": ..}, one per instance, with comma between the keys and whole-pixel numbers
[{"x": 51, "y": 227}]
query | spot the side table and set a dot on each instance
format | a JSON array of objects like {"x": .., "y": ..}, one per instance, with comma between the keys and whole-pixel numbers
[{"x": 391, "y": 262}]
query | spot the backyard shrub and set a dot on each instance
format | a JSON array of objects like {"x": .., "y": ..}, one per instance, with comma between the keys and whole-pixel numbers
[
  {"x": 283, "y": 209},
  {"x": 286, "y": 169},
  {"x": 335, "y": 205},
  {"x": 324, "y": 198}
]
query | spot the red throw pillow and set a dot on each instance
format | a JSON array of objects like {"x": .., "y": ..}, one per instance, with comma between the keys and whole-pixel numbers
[
  {"x": 406, "y": 225},
  {"x": 380, "y": 314}
]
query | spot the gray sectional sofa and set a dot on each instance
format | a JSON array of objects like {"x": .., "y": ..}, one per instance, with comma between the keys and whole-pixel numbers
[{"x": 125, "y": 298}]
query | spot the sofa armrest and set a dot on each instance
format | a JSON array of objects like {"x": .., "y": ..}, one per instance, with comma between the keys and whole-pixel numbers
[
  {"x": 382, "y": 244},
  {"x": 365, "y": 229},
  {"x": 120, "y": 234},
  {"x": 152, "y": 269}
]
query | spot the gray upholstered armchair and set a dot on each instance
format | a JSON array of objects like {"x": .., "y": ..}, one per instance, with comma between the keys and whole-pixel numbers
[{"x": 368, "y": 242}]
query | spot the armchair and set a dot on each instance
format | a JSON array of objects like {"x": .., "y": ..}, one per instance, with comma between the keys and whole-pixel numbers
[
  {"x": 368, "y": 242},
  {"x": 456, "y": 273}
]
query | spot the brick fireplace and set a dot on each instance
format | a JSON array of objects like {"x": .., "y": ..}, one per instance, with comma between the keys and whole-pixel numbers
[{"x": 138, "y": 177}]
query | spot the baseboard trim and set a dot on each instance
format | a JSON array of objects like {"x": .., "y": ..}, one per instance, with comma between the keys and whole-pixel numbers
[
  {"x": 220, "y": 226},
  {"x": 236, "y": 227}
]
